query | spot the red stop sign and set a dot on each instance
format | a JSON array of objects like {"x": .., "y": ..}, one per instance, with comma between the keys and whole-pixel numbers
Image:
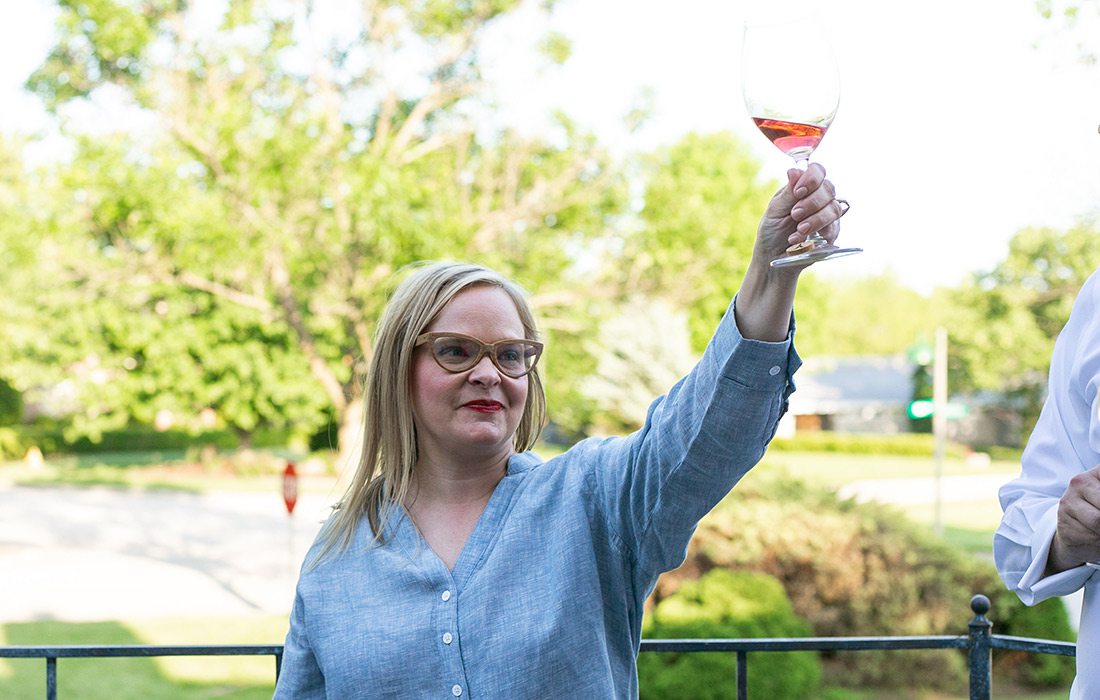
[{"x": 290, "y": 487}]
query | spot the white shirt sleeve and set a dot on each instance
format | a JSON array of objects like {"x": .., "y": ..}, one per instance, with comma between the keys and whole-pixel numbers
[{"x": 1065, "y": 442}]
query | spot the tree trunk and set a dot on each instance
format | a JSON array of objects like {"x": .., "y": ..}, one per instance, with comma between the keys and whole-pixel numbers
[{"x": 349, "y": 439}]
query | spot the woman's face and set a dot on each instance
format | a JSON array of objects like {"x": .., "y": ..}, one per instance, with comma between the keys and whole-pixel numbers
[{"x": 472, "y": 414}]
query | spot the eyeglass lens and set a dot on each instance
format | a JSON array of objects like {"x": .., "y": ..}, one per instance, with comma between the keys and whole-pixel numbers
[{"x": 460, "y": 354}]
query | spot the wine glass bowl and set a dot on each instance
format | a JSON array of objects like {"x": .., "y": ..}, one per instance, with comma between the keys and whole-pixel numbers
[{"x": 791, "y": 87}]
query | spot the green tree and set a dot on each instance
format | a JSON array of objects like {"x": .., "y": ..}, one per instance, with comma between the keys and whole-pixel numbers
[
  {"x": 1003, "y": 323},
  {"x": 287, "y": 174},
  {"x": 693, "y": 239},
  {"x": 873, "y": 315}
]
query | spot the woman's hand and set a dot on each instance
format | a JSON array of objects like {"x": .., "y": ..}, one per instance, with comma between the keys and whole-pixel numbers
[{"x": 807, "y": 204}]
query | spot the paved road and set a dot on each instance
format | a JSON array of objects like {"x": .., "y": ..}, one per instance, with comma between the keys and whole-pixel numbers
[
  {"x": 917, "y": 490},
  {"x": 101, "y": 554}
]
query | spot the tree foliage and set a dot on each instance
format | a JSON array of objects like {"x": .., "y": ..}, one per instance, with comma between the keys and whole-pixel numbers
[
  {"x": 286, "y": 174},
  {"x": 1003, "y": 323},
  {"x": 702, "y": 199},
  {"x": 872, "y": 315}
]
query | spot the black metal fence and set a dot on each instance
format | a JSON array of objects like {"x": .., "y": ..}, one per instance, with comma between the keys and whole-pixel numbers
[{"x": 980, "y": 643}]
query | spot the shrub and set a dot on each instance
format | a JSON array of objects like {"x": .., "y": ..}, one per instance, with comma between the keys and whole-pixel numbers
[
  {"x": 855, "y": 569},
  {"x": 11, "y": 447},
  {"x": 11, "y": 404},
  {"x": 725, "y": 604},
  {"x": 902, "y": 444},
  {"x": 51, "y": 438},
  {"x": 1047, "y": 620}
]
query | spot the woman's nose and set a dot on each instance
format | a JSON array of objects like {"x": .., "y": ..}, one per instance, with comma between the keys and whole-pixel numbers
[{"x": 485, "y": 372}]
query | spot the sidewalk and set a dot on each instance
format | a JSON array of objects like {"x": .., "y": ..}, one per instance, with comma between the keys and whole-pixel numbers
[
  {"x": 911, "y": 491},
  {"x": 99, "y": 554}
]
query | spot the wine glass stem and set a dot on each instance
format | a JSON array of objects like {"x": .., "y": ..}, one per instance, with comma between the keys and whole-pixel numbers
[{"x": 804, "y": 164}]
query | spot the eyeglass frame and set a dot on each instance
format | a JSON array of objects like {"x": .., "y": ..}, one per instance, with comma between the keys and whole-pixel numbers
[{"x": 484, "y": 349}]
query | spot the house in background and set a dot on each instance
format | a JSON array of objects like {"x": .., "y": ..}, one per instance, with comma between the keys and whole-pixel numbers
[
  {"x": 871, "y": 394},
  {"x": 856, "y": 394}
]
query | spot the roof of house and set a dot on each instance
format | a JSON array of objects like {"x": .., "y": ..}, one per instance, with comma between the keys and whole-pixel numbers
[{"x": 828, "y": 385}]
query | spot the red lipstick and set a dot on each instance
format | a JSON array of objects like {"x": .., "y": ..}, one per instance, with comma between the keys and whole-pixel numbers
[{"x": 484, "y": 406}]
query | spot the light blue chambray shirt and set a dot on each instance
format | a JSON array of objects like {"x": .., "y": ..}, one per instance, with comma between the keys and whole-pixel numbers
[{"x": 545, "y": 600}]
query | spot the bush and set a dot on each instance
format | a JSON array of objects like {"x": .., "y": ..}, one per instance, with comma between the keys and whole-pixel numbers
[
  {"x": 11, "y": 404},
  {"x": 855, "y": 569},
  {"x": 725, "y": 604},
  {"x": 51, "y": 438},
  {"x": 11, "y": 447},
  {"x": 1047, "y": 620}
]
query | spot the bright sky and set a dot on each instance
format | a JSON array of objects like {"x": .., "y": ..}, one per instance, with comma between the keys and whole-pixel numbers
[{"x": 960, "y": 122}]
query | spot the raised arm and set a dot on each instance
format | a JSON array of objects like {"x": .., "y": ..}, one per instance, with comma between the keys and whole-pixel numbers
[{"x": 807, "y": 203}]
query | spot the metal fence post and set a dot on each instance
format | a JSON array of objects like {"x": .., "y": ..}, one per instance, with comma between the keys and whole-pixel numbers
[
  {"x": 51, "y": 678},
  {"x": 742, "y": 675},
  {"x": 980, "y": 661}
]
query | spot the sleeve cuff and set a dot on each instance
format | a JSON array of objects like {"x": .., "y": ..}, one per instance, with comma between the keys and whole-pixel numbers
[
  {"x": 759, "y": 364},
  {"x": 1033, "y": 586}
]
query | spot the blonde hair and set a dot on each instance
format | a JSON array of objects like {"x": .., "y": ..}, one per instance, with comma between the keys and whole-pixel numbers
[{"x": 384, "y": 473}]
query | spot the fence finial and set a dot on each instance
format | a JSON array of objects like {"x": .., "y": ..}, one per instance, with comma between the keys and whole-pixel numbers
[
  {"x": 980, "y": 605},
  {"x": 981, "y": 656}
]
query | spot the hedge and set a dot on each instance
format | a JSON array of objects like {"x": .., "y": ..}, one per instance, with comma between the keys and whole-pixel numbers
[
  {"x": 853, "y": 569},
  {"x": 726, "y": 604}
]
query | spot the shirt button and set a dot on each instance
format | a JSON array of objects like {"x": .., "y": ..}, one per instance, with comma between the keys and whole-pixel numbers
[
  {"x": 448, "y": 638},
  {"x": 446, "y": 596},
  {"x": 774, "y": 370},
  {"x": 456, "y": 690}
]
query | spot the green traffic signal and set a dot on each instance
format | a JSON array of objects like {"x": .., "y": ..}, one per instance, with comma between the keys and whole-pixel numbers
[
  {"x": 925, "y": 408},
  {"x": 920, "y": 408}
]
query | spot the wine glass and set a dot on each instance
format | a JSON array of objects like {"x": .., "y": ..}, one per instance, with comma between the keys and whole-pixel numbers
[{"x": 791, "y": 87}]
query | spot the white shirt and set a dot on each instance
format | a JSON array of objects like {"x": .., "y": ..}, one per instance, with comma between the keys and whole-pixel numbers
[{"x": 1065, "y": 442}]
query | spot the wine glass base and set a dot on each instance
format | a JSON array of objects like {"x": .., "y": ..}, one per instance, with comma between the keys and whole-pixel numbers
[{"x": 813, "y": 255}]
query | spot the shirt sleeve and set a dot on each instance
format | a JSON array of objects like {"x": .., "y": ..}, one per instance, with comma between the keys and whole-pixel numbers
[
  {"x": 300, "y": 677},
  {"x": 696, "y": 443},
  {"x": 1065, "y": 442}
]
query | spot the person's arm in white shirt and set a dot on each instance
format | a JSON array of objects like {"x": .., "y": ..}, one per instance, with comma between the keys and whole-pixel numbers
[{"x": 1051, "y": 523}]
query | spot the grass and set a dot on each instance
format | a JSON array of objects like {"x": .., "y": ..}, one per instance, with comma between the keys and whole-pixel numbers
[
  {"x": 163, "y": 678},
  {"x": 162, "y": 471},
  {"x": 834, "y": 469}
]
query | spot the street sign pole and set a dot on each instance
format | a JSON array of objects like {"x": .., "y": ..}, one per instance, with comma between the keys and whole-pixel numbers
[
  {"x": 290, "y": 499},
  {"x": 939, "y": 419}
]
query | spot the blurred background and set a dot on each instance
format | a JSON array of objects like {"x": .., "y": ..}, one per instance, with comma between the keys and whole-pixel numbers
[{"x": 203, "y": 205}]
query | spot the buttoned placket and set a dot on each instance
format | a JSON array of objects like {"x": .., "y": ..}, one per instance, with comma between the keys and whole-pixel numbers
[
  {"x": 445, "y": 608},
  {"x": 447, "y": 603}
]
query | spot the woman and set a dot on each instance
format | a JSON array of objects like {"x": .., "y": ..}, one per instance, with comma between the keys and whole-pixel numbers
[{"x": 459, "y": 563}]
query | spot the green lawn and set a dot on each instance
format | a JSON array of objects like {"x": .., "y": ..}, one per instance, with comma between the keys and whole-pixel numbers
[
  {"x": 169, "y": 471},
  {"x": 837, "y": 469},
  {"x": 167, "y": 678}
]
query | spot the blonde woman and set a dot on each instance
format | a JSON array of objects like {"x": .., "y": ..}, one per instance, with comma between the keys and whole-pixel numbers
[{"x": 459, "y": 564}]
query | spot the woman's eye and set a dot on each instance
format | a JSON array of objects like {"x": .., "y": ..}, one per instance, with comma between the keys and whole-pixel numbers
[{"x": 452, "y": 351}]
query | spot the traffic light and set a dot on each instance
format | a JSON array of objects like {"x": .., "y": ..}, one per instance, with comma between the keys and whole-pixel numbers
[
  {"x": 920, "y": 408},
  {"x": 925, "y": 408}
]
